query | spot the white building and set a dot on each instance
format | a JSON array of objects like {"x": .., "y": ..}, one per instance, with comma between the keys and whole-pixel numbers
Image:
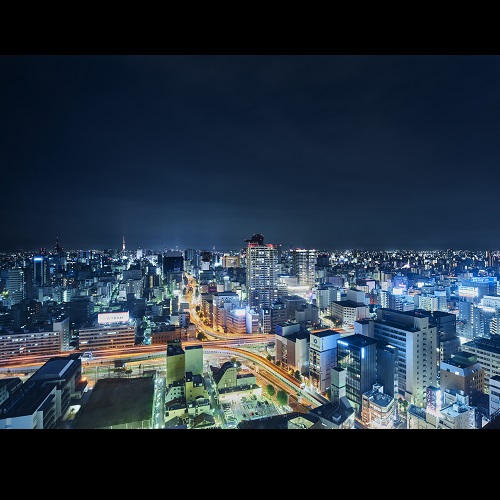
[{"x": 418, "y": 350}]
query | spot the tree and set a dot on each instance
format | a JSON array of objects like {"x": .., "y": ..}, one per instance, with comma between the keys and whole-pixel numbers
[
  {"x": 282, "y": 397},
  {"x": 200, "y": 336},
  {"x": 270, "y": 390}
]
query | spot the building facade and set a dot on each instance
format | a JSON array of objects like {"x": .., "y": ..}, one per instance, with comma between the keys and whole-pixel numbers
[{"x": 417, "y": 344}]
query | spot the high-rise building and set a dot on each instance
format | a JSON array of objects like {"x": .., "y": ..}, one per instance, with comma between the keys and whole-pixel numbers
[
  {"x": 262, "y": 272},
  {"x": 16, "y": 285},
  {"x": 304, "y": 266},
  {"x": 417, "y": 343}
]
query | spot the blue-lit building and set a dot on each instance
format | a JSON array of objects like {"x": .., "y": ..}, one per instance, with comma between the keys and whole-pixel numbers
[
  {"x": 357, "y": 355},
  {"x": 367, "y": 362}
]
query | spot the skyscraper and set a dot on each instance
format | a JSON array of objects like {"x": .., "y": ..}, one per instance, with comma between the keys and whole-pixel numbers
[
  {"x": 262, "y": 272},
  {"x": 304, "y": 266}
]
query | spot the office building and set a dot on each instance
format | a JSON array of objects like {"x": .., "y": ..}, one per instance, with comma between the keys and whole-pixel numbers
[
  {"x": 41, "y": 270},
  {"x": 52, "y": 339},
  {"x": 322, "y": 358},
  {"x": 326, "y": 294},
  {"x": 252, "y": 320},
  {"x": 417, "y": 343},
  {"x": 304, "y": 266},
  {"x": 112, "y": 330},
  {"x": 223, "y": 301},
  {"x": 265, "y": 320},
  {"x": 357, "y": 355},
  {"x": 347, "y": 312},
  {"x": 449, "y": 341},
  {"x": 16, "y": 285}
]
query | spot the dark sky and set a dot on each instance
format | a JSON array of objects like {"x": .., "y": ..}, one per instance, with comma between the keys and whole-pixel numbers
[{"x": 202, "y": 151}]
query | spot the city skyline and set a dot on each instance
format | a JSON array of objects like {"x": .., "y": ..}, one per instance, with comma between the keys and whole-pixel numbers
[{"x": 380, "y": 152}]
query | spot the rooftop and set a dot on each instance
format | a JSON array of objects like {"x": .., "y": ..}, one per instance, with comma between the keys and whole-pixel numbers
[{"x": 117, "y": 401}]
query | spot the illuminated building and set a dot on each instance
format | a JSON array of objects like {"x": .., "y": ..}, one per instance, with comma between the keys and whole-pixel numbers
[
  {"x": 223, "y": 301},
  {"x": 207, "y": 307},
  {"x": 378, "y": 410},
  {"x": 304, "y": 266},
  {"x": 236, "y": 321},
  {"x": 42, "y": 401},
  {"x": 417, "y": 343},
  {"x": 29, "y": 343},
  {"x": 347, "y": 311},
  {"x": 265, "y": 320},
  {"x": 457, "y": 413},
  {"x": 16, "y": 285},
  {"x": 292, "y": 350},
  {"x": 326, "y": 294},
  {"x": 357, "y": 355},
  {"x": 112, "y": 330},
  {"x": 322, "y": 358},
  {"x": 262, "y": 272},
  {"x": 41, "y": 271},
  {"x": 449, "y": 341},
  {"x": 252, "y": 320}
]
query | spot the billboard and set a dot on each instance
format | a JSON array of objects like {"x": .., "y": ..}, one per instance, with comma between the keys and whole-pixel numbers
[{"x": 112, "y": 317}]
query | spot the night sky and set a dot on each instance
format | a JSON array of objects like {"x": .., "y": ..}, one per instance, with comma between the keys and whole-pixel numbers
[{"x": 203, "y": 151}]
